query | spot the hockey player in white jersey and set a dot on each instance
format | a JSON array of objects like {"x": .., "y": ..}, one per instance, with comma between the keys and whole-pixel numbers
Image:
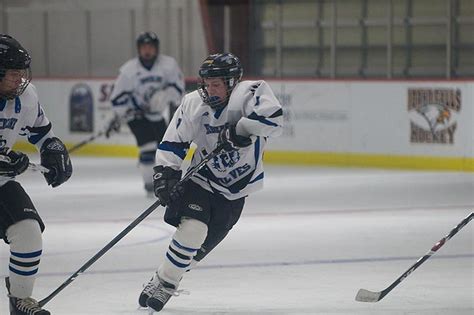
[
  {"x": 146, "y": 93},
  {"x": 21, "y": 115},
  {"x": 238, "y": 115}
]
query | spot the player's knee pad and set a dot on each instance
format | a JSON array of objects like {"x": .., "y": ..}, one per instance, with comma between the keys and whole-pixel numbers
[
  {"x": 25, "y": 236},
  {"x": 191, "y": 233}
]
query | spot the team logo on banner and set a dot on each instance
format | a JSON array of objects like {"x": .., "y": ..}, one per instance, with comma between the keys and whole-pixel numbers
[
  {"x": 81, "y": 111},
  {"x": 433, "y": 115}
]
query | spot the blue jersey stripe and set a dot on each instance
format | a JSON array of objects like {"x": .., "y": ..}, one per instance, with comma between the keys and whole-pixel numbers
[
  {"x": 261, "y": 119},
  {"x": 121, "y": 99},
  {"x": 178, "y": 148},
  {"x": 3, "y": 103},
  {"x": 17, "y": 104},
  {"x": 256, "y": 179}
]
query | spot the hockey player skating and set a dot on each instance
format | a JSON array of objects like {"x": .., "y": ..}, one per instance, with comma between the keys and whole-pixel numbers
[
  {"x": 146, "y": 93},
  {"x": 237, "y": 115},
  {"x": 21, "y": 115}
]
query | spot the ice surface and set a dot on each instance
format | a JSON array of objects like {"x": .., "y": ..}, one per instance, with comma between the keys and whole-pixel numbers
[{"x": 304, "y": 245}]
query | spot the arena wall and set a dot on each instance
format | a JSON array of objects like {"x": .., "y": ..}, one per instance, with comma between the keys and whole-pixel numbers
[{"x": 389, "y": 124}]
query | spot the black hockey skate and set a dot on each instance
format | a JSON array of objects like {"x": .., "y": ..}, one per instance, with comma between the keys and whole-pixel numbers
[
  {"x": 26, "y": 306},
  {"x": 161, "y": 296},
  {"x": 148, "y": 290}
]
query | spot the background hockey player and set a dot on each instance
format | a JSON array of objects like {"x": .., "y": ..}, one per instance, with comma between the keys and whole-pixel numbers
[
  {"x": 147, "y": 90},
  {"x": 240, "y": 116},
  {"x": 21, "y": 115}
]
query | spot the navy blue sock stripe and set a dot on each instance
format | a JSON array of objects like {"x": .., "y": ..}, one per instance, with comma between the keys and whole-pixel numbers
[
  {"x": 23, "y": 273},
  {"x": 24, "y": 263},
  {"x": 178, "y": 254},
  {"x": 27, "y": 255},
  {"x": 188, "y": 249},
  {"x": 177, "y": 264}
]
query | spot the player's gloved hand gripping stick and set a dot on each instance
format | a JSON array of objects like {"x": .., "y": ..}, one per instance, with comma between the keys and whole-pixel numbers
[
  {"x": 15, "y": 163},
  {"x": 132, "y": 225}
]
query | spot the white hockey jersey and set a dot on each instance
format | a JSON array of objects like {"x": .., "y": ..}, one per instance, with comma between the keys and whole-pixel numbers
[
  {"x": 257, "y": 113},
  {"x": 23, "y": 117},
  {"x": 149, "y": 91}
]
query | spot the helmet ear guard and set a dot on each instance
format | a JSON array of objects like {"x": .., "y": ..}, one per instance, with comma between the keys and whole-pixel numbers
[{"x": 225, "y": 66}]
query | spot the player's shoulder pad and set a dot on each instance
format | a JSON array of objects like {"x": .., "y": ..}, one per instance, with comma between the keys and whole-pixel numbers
[
  {"x": 130, "y": 66},
  {"x": 167, "y": 59},
  {"x": 167, "y": 62},
  {"x": 192, "y": 103},
  {"x": 29, "y": 98},
  {"x": 251, "y": 84}
]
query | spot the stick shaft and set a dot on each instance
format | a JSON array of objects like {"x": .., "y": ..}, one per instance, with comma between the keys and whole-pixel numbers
[
  {"x": 86, "y": 141},
  {"x": 122, "y": 234},
  {"x": 432, "y": 251}
]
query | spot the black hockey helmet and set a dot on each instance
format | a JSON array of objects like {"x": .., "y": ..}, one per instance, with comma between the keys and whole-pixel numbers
[
  {"x": 222, "y": 65},
  {"x": 148, "y": 38},
  {"x": 14, "y": 57}
]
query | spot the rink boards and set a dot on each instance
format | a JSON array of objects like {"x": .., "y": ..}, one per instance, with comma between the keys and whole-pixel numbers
[{"x": 396, "y": 124}]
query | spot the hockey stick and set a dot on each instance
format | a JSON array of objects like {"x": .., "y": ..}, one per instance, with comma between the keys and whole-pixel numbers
[
  {"x": 101, "y": 133},
  {"x": 38, "y": 168},
  {"x": 31, "y": 166},
  {"x": 368, "y": 296},
  {"x": 86, "y": 141},
  {"x": 132, "y": 225}
]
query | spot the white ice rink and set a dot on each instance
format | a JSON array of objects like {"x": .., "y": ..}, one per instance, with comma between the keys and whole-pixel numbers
[{"x": 304, "y": 245}]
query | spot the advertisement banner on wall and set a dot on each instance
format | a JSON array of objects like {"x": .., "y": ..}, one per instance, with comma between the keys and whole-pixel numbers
[
  {"x": 81, "y": 108},
  {"x": 433, "y": 114}
]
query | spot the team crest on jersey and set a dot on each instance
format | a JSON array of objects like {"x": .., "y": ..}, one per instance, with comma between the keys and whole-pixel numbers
[{"x": 225, "y": 161}]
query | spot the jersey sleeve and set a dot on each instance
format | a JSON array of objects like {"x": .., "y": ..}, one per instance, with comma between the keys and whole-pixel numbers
[
  {"x": 178, "y": 137},
  {"x": 121, "y": 97},
  {"x": 41, "y": 129},
  {"x": 266, "y": 113}
]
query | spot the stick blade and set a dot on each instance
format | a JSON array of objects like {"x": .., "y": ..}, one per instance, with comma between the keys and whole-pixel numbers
[{"x": 367, "y": 296}]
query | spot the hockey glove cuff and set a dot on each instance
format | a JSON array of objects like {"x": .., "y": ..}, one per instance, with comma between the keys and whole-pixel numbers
[
  {"x": 55, "y": 157},
  {"x": 166, "y": 184}
]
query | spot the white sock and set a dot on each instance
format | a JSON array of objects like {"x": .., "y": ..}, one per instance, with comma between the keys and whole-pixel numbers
[
  {"x": 26, "y": 245},
  {"x": 186, "y": 241}
]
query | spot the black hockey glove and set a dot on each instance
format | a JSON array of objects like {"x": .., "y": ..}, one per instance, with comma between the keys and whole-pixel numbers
[
  {"x": 13, "y": 163},
  {"x": 114, "y": 126},
  {"x": 165, "y": 184},
  {"x": 229, "y": 140},
  {"x": 55, "y": 157}
]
